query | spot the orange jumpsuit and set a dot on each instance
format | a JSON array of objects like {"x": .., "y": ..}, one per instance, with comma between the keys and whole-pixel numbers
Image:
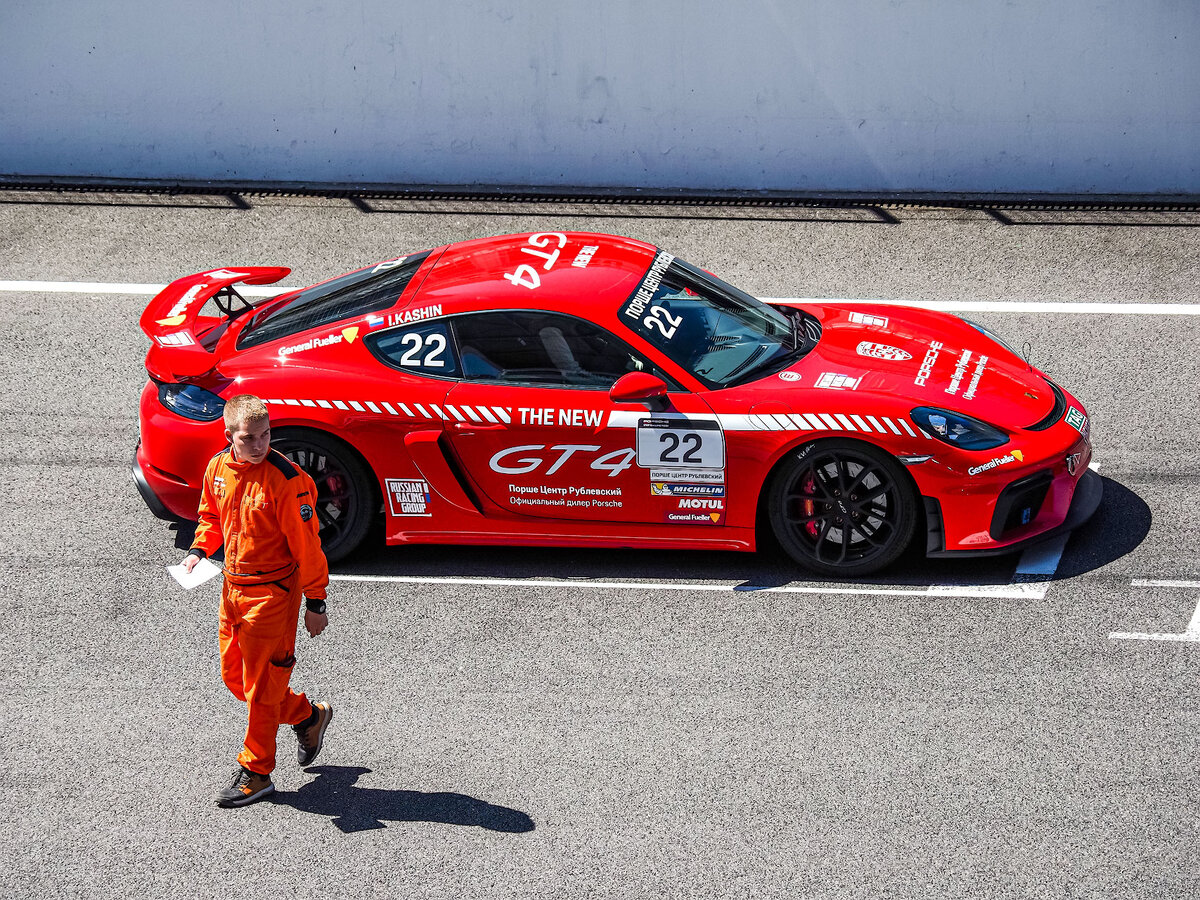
[{"x": 263, "y": 513}]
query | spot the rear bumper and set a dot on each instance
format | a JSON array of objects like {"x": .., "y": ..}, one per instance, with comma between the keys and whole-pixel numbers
[
  {"x": 1089, "y": 491},
  {"x": 147, "y": 480}
]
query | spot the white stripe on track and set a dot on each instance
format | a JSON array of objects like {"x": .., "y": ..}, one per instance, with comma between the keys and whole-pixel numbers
[
  {"x": 995, "y": 592},
  {"x": 1015, "y": 306},
  {"x": 104, "y": 287},
  {"x": 1190, "y": 635}
]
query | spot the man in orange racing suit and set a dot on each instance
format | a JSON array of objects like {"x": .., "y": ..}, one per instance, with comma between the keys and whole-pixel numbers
[{"x": 260, "y": 506}]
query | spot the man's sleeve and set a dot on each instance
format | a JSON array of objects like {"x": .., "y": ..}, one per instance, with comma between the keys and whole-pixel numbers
[
  {"x": 298, "y": 520},
  {"x": 208, "y": 538}
]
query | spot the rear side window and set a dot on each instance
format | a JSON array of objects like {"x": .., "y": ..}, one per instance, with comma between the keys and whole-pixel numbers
[
  {"x": 356, "y": 294},
  {"x": 420, "y": 349}
]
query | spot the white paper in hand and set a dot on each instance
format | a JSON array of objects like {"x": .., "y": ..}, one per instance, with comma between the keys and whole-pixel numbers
[{"x": 201, "y": 572}]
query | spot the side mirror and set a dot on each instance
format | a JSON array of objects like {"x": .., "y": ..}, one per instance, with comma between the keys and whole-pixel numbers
[{"x": 640, "y": 387}]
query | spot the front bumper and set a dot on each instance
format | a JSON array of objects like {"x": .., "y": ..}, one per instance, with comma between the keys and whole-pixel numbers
[{"x": 1089, "y": 491}]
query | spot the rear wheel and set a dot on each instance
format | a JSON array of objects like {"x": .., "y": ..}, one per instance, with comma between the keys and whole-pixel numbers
[
  {"x": 346, "y": 500},
  {"x": 842, "y": 508}
]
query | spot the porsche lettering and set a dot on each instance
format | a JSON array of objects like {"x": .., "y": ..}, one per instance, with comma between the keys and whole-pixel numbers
[{"x": 926, "y": 369}]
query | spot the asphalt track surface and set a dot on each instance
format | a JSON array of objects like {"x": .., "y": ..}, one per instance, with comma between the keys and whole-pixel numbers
[{"x": 567, "y": 723}]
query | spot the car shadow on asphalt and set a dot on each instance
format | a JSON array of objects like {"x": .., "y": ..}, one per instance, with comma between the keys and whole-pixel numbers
[
  {"x": 335, "y": 793},
  {"x": 1119, "y": 525},
  {"x": 1117, "y": 528}
]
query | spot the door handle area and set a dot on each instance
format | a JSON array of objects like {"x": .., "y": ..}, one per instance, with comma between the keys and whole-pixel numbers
[{"x": 466, "y": 427}]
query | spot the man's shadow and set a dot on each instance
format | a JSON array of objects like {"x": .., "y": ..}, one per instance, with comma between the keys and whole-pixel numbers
[{"x": 334, "y": 793}]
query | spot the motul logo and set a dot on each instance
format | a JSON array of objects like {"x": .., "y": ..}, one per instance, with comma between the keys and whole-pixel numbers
[
  {"x": 882, "y": 351},
  {"x": 701, "y": 503}
]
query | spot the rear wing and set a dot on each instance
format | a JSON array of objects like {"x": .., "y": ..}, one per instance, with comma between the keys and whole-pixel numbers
[{"x": 174, "y": 325}]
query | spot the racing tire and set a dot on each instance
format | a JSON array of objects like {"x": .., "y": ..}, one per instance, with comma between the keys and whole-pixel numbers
[
  {"x": 842, "y": 508},
  {"x": 346, "y": 500}
]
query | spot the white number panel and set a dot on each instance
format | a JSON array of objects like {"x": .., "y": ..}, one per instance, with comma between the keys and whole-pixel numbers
[{"x": 680, "y": 444}]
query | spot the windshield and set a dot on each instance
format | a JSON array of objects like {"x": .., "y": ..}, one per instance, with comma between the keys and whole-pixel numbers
[{"x": 718, "y": 333}]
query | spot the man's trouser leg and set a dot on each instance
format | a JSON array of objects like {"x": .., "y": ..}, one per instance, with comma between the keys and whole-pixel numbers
[{"x": 258, "y": 642}]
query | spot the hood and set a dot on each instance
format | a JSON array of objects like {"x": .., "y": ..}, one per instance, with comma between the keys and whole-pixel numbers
[{"x": 932, "y": 358}]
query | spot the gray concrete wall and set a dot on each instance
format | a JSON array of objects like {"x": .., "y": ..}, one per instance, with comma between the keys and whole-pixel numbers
[{"x": 1069, "y": 96}]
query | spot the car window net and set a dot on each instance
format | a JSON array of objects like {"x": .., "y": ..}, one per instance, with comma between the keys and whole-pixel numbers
[{"x": 366, "y": 291}]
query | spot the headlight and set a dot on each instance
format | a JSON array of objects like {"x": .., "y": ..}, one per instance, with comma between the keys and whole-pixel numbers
[
  {"x": 958, "y": 430},
  {"x": 191, "y": 402}
]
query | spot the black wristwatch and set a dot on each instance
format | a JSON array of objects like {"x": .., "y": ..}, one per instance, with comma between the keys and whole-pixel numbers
[{"x": 315, "y": 606}]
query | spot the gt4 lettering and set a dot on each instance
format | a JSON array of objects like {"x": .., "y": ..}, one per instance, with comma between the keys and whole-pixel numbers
[
  {"x": 614, "y": 462},
  {"x": 525, "y": 274}
]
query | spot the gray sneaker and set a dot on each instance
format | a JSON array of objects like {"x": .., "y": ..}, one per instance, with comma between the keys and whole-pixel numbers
[
  {"x": 245, "y": 788},
  {"x": 310, "y": 738}
]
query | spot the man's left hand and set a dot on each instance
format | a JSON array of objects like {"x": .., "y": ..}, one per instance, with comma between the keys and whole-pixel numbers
[{"x": 315, "y": 623}]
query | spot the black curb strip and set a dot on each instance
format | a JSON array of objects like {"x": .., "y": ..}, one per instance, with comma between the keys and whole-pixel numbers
[{"x": 612, "y": 196}]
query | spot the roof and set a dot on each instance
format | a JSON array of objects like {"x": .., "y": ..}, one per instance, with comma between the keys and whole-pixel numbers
[{"x": 578, "y": 273}]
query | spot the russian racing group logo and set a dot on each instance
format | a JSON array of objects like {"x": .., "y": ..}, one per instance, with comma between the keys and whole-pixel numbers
[{"x": 408, "y": 498}]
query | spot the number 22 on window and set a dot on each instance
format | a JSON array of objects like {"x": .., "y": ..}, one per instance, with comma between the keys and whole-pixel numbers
[{"x": 662, "y": 320}]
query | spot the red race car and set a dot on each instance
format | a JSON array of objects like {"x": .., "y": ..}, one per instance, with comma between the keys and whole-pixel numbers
[{"x": 574, "y": 389}]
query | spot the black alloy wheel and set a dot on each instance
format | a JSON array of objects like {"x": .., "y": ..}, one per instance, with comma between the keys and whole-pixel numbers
[
  {"x": 345, "y": 503},
  {"x": 842, "y": 508}
]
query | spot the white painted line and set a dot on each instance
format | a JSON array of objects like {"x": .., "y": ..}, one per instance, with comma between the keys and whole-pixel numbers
[
  {"x": 986, "y": 591},
  {"x": 1165, "y": 582},
  {"x": 1184, "y": 638},
  {"x": 1190, "y": 635},
  {"x": 1013, "y": 306},
  {"x": 1029, "y": 306},
  {"x": 104, "y": 287}
]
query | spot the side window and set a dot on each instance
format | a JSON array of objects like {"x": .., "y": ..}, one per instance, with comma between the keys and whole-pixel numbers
[
  {"x": 540, "y": 348},
  {"x": 421, "y": 349}
]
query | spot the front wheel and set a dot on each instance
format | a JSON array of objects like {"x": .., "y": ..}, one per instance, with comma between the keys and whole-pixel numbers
[
  {"x": 842, "y": 508},
  {"x": 345, "y": 500}
]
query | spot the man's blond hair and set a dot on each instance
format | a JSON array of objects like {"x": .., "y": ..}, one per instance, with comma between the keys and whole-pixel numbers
[{"x": 242, "y": 410}]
